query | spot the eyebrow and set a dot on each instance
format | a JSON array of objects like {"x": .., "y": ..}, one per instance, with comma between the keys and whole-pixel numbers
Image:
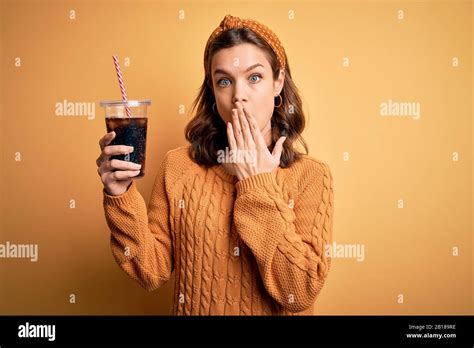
[{"x": 248, "y": 69}]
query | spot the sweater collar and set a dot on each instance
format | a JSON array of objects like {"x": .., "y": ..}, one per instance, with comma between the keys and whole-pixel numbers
[{"x": 222, "y": 173}]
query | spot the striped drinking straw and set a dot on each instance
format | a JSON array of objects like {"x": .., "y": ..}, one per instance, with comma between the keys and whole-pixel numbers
[{"x": 122, "y": 86}]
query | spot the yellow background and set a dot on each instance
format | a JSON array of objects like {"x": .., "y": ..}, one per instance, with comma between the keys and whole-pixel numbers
[{"x": 407, "y": 250}]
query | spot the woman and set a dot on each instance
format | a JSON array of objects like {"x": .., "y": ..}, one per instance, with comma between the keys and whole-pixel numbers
[{"x": 240, "y": 216}]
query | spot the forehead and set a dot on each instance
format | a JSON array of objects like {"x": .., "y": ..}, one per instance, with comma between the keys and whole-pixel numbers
[{"x": 246, "y": 53}]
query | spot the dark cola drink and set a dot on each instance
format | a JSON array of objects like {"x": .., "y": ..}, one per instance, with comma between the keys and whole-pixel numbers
[{"x": 129, "y": 131}]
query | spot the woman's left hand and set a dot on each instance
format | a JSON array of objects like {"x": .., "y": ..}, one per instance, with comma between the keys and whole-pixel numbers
[{"x": 250, "y": 155}]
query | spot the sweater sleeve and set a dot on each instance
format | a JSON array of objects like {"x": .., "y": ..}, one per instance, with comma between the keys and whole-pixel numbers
[
  {"x": 288, "y": 240},
  {"x": 141, "y": 240}
]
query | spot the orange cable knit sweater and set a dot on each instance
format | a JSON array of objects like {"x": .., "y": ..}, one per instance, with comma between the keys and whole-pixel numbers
[{"x": 249, "y": 247}]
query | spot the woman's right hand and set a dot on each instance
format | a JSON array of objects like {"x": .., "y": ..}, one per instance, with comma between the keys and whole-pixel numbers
[{"x": 116, "y": 175}]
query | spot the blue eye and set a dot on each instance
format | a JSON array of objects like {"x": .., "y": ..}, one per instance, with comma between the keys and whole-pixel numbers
[
  {"x": 255, "y": 75},
  {"x": 251, "y": 79},
  {"x": 219, "y": 82}
]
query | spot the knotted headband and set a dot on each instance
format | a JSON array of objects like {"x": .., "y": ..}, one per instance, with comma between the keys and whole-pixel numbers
[{"x": 231, "y": 22}]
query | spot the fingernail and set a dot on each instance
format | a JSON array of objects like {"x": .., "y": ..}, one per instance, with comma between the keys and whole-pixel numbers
[
  {"x": 130, "y": 148},
  {"x": 136, "y": 165}
]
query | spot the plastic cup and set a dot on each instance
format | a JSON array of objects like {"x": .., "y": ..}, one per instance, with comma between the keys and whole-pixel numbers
[{"x": 130, "y": 131}]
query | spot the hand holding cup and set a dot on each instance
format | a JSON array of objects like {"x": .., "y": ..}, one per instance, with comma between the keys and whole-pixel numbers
[{"x": 116, "y": 175}]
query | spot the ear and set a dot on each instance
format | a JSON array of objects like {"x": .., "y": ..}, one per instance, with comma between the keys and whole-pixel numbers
[{"x": 279, "y": 82}]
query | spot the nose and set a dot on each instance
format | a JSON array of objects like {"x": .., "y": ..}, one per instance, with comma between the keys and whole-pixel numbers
[{"x": 239, "y": 94}]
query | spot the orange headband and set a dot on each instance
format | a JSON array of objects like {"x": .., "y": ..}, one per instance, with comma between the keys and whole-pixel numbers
[{"x": 231, "y": 22}]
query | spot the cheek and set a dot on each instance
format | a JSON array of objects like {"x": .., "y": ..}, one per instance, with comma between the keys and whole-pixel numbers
[
  {"x": 223, "y": 108},
  {"x": 263, "y": 107}
]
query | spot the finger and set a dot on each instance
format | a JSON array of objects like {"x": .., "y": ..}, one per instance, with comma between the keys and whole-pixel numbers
[
  {"x": 247, "y": 134},
  {"x": 102, "y": 158},
  {"x": 116, "y": 164},
  {"x": 122, "y": 165},
  {"x": 117, "y": 150},
  {"x": 257, "y": 134},
  {"x": 278, "y": 148},
  {"x": 112, "y": 150},
  {"x": 106, "y": 139},
  {"x": 237, "y": 130},
  {"x": 231, "y": 137},
  {"x": 120, "y": 175}
]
